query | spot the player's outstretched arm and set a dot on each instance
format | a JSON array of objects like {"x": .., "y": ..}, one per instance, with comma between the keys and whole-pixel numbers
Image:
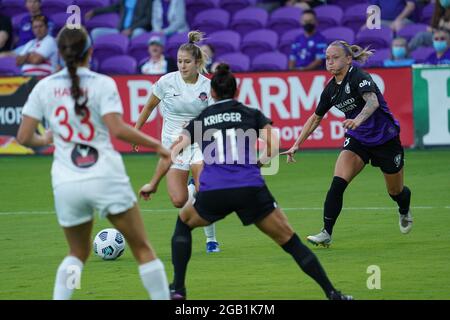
[
  {"x": 151, "y": 104},
  {"x": 27, "y": 135},
  {"x": 311, "y": 124},
  {"x": 123, "y": 131}
]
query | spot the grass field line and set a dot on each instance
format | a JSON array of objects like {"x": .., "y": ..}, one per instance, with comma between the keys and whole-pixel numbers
[{"x": 22, "y": 212}]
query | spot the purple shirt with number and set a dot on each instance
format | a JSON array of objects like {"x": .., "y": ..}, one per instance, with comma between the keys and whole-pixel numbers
[{"x": 307, "y": 49}]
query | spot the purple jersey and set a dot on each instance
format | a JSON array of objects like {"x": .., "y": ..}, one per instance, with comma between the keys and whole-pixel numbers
[
  {"x": 347, "y": 96},
  {"x": 227, "y": 133},
  {"x": 307, "y": 49},
  {"x": 444, "y": 59}
]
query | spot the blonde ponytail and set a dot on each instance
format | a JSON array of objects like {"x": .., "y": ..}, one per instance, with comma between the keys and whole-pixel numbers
[{"x": 356, "y": 52}]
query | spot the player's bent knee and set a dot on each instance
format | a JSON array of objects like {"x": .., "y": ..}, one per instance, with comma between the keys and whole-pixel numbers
[{"x": 178, "y": 202}]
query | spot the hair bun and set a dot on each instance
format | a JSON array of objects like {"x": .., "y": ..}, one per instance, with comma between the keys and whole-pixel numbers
[{"x": 222, "y": 69}]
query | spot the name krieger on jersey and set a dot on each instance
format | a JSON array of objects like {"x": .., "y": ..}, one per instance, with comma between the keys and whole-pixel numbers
[
  {"x": 222, "y": 117},
  {"x": 347, "y": 105}
]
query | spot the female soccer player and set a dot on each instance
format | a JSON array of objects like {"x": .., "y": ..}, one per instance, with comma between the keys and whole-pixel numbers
[
  {"x": 372, "y": 134},
  {"x": 182, "y": 95},
  {"x": 81, "y": 106},
  {"x": 231, "y": 181}
]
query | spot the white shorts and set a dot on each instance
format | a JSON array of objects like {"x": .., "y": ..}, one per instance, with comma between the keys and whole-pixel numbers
[
  {"x": 75, "y": 201},
  {"x": 191, "y": 155}
]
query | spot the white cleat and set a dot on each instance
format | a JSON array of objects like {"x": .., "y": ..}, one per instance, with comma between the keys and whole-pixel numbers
[
  {"x": 320, "y": 239},
  {"x": 405, "y": 222}
]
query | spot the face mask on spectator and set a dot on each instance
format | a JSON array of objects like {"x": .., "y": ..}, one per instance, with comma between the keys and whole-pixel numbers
[
  {"x": 399, "y": 52},
  {"x": 445, "y": 3},
  {"x": 309, "y": 27},
  {"x": 439, "y": 46}
]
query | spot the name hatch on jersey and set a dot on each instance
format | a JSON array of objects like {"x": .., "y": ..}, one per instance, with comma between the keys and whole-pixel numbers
[{"x": 222, "y": 117}]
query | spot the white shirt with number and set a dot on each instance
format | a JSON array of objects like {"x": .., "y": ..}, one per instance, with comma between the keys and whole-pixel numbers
[
  {"x": 45, "y": 47},
  {"x": 180, "y": 103},
  {"x": 51, "y": 99}
]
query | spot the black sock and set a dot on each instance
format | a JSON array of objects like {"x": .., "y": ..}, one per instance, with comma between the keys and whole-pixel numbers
[
  {"x": 181, "y": 253},
  {"x": 333, "y": 203},
  {"x": 308, "y": 262},
  {"x": 403, "y": 200}
]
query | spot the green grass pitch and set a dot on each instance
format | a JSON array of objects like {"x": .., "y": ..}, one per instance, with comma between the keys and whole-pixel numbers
[{"x": 250, "y": 266}]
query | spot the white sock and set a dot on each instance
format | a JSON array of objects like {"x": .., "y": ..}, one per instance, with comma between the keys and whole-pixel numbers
[
  {"x": 68, "y": 278},
  {"x": 154, "y": 278},
  {"x": 210, "y": 232}
]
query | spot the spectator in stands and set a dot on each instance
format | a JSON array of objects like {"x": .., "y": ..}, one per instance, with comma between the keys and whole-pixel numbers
[
  {"x": 209, "y": 51},
  {"x": 25, "y": 30},
  {"x": 440, "y": 20},
  {"x": 157, "y": 62},
  {"x": 169, "y": 16},
  {"x": 6, "y": 33},
  {"x": 396, "y": 13},
  {"x": 441, "y": 43},
  {"x": 308, "y": 51},
  {"x": 39, "y": 56},
  {"x": 135, "y": 18},
  {"x": 400, "y": 55},
  {"x": 305, "y": 4}
]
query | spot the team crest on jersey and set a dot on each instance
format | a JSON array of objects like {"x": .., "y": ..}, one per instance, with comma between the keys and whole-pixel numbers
[
  {"x": 203, "y": 96},
  {"x": 347, "y": 88},
  {"x": 398, "y": 160},
  {"x": 84, "y": 156}
]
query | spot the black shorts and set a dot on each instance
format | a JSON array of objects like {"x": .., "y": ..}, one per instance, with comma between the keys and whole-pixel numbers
[
  {"x": 389, "y": 156},
  {"x": 251, "y": 204}
]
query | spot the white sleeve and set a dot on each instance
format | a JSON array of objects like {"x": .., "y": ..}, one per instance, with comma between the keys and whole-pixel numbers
[
  {"x": 159, "y": 88},
  {"x": 47, "y": 47},
  {"x": 33, "y": 107},
  {"x": 110, "y": 99}
]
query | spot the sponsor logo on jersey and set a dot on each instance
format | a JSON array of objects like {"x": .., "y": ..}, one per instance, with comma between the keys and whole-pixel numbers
[
  {"x": 84, "y": 156},
  {"x": 364, "y": 83}
]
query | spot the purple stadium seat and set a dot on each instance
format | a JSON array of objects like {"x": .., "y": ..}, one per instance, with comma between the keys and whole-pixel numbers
[
  {"x": 287, "y": 39},
  {"x": 237, "y": 61},
  {"x": 59, "y": 20},
  {"x": 194, "y": 7},
  {"x": 427, "y": 13},
  {"x": 108, "y": 20},
  {"x": 224, "y": 41},
  {"x": 355, "y": 17},
  {"x": 259, "y": 41},
  {"x": 234, "y": 5},
  {"x": 8, "y": 67},
  {"x": 12, "y": 7},
  {"x": 344, "y": 4},
  {"x": 119, "y": 65},
  {"x": 88, "y": 5},
  {"x": 211, "y": 20},
  {"x": 174, "y": 42},
  {"x": 270, "y": 61},
  {"x": 421, "y": 54},
  {"x": 377, "y": 60},
  {"x": 285, "y": 19},
  {"x": 328, "y": 16},
  {"x": 410, "y": 30},
  {"x": 249, "y": 19},
  {"x": 375, "y": 38},
  {"x": 138, "y": 48},
  {"x": 110, "y": 45},
  {"x": 51, "y": 7},
  {"x": 339, "y": 33}
]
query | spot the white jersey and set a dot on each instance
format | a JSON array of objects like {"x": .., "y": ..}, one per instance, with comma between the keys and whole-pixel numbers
[
  {"x": 180, "y": 102},
  {"x": 83, "y": 149},
  {"x": 48, "y": 49}
]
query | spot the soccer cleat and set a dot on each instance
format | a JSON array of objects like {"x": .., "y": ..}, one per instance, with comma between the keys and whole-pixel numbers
[
  {"x": 320, "y": 239},
  {"x": 212, "y": 246},
  {"x": 177, "y": 294},
  {"x": 337, "y": 295},
  {"x": 405, "y": 222}
]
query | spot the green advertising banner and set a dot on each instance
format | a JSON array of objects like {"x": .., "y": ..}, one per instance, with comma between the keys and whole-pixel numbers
[{"x": 431, "y": 93}]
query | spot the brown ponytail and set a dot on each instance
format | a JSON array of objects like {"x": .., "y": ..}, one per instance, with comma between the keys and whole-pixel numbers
[{"x": 73, "y": 45}]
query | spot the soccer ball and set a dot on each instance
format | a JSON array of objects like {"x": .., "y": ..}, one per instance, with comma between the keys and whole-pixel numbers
[{"x": 109, "y": 244}]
